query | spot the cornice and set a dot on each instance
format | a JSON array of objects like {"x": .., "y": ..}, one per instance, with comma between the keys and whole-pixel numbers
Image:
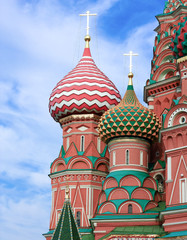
[
  {"x": 159, "y": 84},
  {"x": 79, "y": 117}
]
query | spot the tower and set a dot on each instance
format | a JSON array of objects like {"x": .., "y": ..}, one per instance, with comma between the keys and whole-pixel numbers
[
  {"x": 77, "y": 103},
  {"x": 128, "y": 191},
  {"x": 165, "y": 93},
  {"x": 174, "y": 137}
]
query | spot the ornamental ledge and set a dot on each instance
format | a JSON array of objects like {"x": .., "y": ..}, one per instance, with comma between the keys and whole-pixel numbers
[
  {"x": 79, "y": 117},
  {"x": 182, "y": 59}
]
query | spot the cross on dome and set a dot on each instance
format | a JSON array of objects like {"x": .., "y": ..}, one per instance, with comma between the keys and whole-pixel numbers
[
  {"x": 87, "y": 14},
  {"x": 130, "y": 54}
]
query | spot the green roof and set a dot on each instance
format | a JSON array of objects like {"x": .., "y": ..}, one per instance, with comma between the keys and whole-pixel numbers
[
  {"x": 49, "y": 232},
  {"x": 176, "y": 208},
  {"x": 126, "y": 216},
  {"x": 129, "y": 189},
  {"x": 88, "y": 237},
  {"x": 118, "y": 175},
  {"x": 85, "y": 230},
  {"x": 162, "y": 163},
  {"x": 140, "y": 230},
  {"x": 161, "y": 207},
  {"x": 93, "y": 159},
  {"x": 176, "y": 234},
  {"x": 66, "y": 228}
]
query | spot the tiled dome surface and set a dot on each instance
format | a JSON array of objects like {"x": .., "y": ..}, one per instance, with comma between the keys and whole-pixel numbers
[
  {"x": 129, "y": 118},
  {"x": 83, "y": 90}
]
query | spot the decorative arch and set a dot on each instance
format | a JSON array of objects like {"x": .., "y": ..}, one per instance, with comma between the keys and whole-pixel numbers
[
  {"x": 179, "y": 139},
  {"x": 80, "y": 163},
  {"x": 157, "y": 106},
  {"x": 130, "y": 181},
  {"x": 150, "y": 183},
  {"x": 108, "y": 207},
  {"x": 164, "y": 44},
  {"x": 110, "y": 183},
  {"x": 124, "y": 207},
  {"x": 157, "y": 197},
  {"x": 141, "y": 193},
  {"x": 160, "y": 179},
  {"x": 58, "y": 165},
  {"x": 151, "y": 205},
  {"x": 102, "y": 165},
  {"x": 102, "y": 198},
  {"x": 169, "y": 28},
  {"x": 118, "y": 193},
  {"x": 164, "y": 57},
  {"x": 169, "y": 142},
  {"x": 161, "y": 72}
]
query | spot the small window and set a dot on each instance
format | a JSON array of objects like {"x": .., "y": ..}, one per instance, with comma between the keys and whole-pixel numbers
[
  {"x": 182, "y": 120},
  {"x": 79, "y": 218},
  {"x": 127, "y": 157},
  {"x": 160, "y": 180},
  {"x": 98, "y": 144},
  {"x": 183, "y": 198},
  {"x": 67, "y": 143},
  {"x": 157, "y": 154},
  {"x": 130, "y": 208},
  {"x": 169, "y": 177},
  {"x": 114, "y": 158},
  {"x": 82, "y": 143},
  {"x": 141, "y": 158}
]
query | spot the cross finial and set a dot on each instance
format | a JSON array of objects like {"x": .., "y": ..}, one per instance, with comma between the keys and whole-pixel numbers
[
  {"x": 130, "y": 54},
  {"x": 87, "y": 14}
]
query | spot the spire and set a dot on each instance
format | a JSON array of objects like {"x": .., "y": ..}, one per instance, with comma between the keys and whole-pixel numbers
[
  {"x": 130, "y": 97},
  {"x": 66, "y": 228},
  {"x": 87, "y": 37}
]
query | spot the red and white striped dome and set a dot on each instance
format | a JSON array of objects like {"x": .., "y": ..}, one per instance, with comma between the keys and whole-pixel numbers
[{"x": 84, "y": 90}]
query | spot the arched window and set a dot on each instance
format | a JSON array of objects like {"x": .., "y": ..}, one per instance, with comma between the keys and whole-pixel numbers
[
  {"x": 79, "y": 218},
  {"x": 169, "y": 166},
  {"x": 99, "y": 144},
  {"x": 183, "y": 187},
  {"x": 114, "y": 158},
  {"x": 82, "y": 143},
  {"x": 141, "y": 158},
  {"x": 160, "y": 180},
  {"x": 130, "y": 208},
  {"x": 127, "y": 157},
  {"x": 67, "y": 143}
]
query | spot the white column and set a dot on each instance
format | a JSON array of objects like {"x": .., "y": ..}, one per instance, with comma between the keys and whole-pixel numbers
[{"x": 169, "y": 168}]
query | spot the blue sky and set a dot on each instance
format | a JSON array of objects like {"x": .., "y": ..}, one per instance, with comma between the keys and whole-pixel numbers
[{"x": 40, "y": 42}]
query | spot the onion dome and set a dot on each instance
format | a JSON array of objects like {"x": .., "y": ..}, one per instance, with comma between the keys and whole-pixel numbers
[
  {"x": 179, "y": 40},
  {"x": 84, "y": 90},
  {"x": 129, "y": 118}
]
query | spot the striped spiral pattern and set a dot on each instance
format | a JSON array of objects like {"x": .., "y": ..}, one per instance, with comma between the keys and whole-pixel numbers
[{"x": 84, "y": 90}]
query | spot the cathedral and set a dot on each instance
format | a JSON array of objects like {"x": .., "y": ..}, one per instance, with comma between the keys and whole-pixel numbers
[{"x": 121, "y": 173}]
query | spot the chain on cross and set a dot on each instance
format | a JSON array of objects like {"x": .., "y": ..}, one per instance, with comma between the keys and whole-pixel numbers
[
  {"x": 88, "y": 14},
  {"x": 131, "y": 54}
]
